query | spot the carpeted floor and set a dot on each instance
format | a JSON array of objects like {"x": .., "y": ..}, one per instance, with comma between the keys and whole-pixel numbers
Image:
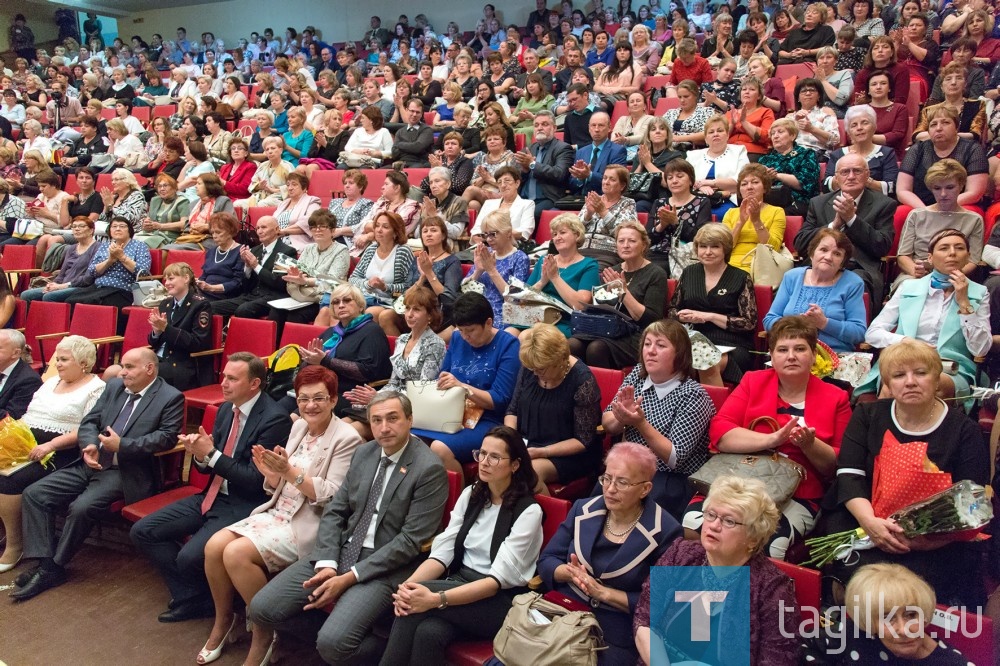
[{"x": 105, "y": 614}]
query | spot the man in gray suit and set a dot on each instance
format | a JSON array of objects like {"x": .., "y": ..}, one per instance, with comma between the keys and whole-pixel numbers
[
  {"x": 864, "y": 215},
  {"x": 369, "y": 539},
  {"x": 545, "y": 165},
  {"x": 137, "y": 416}
]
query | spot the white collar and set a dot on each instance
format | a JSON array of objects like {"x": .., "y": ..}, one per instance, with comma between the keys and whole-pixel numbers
[{"x": 664, "y": 389}]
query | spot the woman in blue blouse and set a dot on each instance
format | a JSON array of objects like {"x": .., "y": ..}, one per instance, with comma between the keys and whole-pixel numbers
[
  {"x": 484, "y": 362},
  {"x": 498, "y": 260},
  {"x": 114, "y": 267},
  {"x": 831, "y": 298},
  {"x": 795, "y": 170},
  {"x": 567, "y": 275},
  {"x": 222, "y": 273}
]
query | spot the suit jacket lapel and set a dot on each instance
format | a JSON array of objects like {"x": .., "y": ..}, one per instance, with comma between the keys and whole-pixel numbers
[
  {"x": 640, "y": 543},
  {"x": 249, "y": 427},
  {"x": 11, "y": 378},
  {"x": 399, "y": 472},
  {"x": 140, "y": 408}
]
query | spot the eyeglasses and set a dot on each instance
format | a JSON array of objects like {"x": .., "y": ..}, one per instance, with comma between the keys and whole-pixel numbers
[
  {"x": 316, "y": 399},
  {"x": 620, "y": 484},
  {"x": 727, "y": 522},
  {"x": 338, "y": 301},
  {"x": 487, "y": 458},
  {"x": 76, "y": 227},
  {"x": 490, "y": 235},
  {"x": 847, "y": 171}
]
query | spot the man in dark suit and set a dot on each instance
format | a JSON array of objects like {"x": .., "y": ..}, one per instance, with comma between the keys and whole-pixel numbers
[
  {"x": 18, "y": 382},
  {"x": 412, "y": 143},
  {"x": 377, "y": 32},
  {"x": 564, "y": 77},
  {"x": 248, "y": 417},
  {"x": 863, "y": 214},
  {"x": 544, "y": 165},
  {"x": 263, "y": 284},
  {"x": 530, "y": 67},
  {"x": 137, "y": 416},
  {"x": 591, "y": 160},
  {"x": 369, "y": 539}
]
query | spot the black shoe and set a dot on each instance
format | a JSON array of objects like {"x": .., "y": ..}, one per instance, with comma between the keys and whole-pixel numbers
[
  {"x": 22, "y": 579},
  {"x": 41, "y": 580},
  {"x": 188, "y": 610}
]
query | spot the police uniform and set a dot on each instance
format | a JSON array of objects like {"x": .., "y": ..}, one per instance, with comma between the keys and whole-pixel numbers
[{"x": 189, "y": 329}]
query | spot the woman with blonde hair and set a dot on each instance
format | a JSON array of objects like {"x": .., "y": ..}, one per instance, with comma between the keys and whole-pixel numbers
[
  {"x": 267, "y": 187},
  {"x": 740, "y": 518},
  {"x": 124, "y": 199},
  {"x": 556, "y": 407},
  {"x": 566, "y": 275}
]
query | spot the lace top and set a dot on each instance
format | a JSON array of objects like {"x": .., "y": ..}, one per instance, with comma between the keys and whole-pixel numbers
[
  {"x": 691, "y": 217},
  {"x": 63, "y": 412},
  {"x": 600, "y": 230},
  {"x": 571, "y": 410}
]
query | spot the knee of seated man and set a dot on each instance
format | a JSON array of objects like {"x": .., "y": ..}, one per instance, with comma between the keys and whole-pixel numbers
[{"x": 335, "y": 646}]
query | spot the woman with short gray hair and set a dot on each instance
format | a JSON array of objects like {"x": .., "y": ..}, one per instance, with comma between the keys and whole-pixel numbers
[{"x": 54, "y": 414}]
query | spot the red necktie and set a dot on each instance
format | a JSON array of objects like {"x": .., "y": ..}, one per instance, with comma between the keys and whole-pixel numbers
[{"x": 213, "y": 489}]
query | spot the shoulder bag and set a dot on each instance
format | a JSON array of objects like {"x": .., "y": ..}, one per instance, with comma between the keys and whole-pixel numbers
[
  {"x": 569, "y": 637},
  {"x": 780, "y": 475},
  {"x": 766, "y": 265}
]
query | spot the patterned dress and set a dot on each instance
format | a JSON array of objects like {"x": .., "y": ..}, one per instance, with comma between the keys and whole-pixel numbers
[{"x": 271, "y": 531}]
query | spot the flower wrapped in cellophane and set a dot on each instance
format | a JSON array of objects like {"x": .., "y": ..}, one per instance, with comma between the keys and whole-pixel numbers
[
  {"x": 961, "y": 512},
  {"x": 16, "y": 443},
  {"x": 826, "y": 361}
]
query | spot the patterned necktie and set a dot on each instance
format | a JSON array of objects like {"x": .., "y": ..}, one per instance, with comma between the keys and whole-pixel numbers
[
  {"x": 349, "y": 556},
  {"x": 213, "y": 490}
]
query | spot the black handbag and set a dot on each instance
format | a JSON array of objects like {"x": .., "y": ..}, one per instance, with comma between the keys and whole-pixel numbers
[
  {"x": 601, "y": 321},
  {"x": 639, "y": 183}
]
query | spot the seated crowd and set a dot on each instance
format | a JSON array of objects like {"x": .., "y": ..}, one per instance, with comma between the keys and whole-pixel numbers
[{"x": 792, "y": 213}]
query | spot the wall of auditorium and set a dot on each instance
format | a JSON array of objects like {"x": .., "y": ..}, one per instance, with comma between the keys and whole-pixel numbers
[
  {"x": 338, "y": 20},
  {"x": 39, "y": 19}
]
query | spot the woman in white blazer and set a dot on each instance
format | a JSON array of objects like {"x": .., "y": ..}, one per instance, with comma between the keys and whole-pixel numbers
[
  {"x": 717, "y": 167},
  {"x": 301, "y": 478}
]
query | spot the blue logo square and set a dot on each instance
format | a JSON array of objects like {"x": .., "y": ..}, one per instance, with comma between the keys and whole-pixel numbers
[{"x": 700, "y": 614}]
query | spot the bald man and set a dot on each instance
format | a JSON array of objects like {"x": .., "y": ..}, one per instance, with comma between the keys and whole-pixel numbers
[
  {"x": 861, "y": 212},
  {"x": 137, "y": 416}
]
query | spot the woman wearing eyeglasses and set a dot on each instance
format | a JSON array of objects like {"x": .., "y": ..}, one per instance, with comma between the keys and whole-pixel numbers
[
  {"x": 740, "y": 518},
  {"x": 301, "y": 478},
  {"x": 482, "y": 560},
  {"x": 602, "y": 552}
]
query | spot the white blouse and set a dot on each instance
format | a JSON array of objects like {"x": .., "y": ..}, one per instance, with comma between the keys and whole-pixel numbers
[
  {"x": 382, "y": 268},
  {"x": 62, "y": 412},
  {"x": 515, "y": 561}
]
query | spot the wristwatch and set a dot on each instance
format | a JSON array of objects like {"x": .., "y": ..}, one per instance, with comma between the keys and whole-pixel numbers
[
  {"x": 299, "y": 479},
  {"x": 444, "y": 601}
]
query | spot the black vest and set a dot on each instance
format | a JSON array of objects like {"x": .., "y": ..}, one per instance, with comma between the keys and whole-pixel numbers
[{"x": 505, "y": 521}]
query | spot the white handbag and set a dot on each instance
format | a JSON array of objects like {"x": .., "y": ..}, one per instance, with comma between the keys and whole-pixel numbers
[
  {"x": 767, "y": 266},
  {"x": 27, "y": 229},
  {"x": 440, "y": 411}
]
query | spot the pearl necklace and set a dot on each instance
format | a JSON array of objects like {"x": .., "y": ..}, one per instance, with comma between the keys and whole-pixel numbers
[
  {"x": 220, "y": 258},
  {"x": 607, "y": 526}
]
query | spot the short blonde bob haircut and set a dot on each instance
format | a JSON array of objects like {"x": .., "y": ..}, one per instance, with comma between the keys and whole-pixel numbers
[
  {"x": 572, "y": 222},
  {"x": 879, "y": 588},
  {"x": 543, "y": 347},
  {"x": 946, "y": 170},
  {"x": 717, "y": 119},
  {"x": 636, "y": 226},
  {"x": 348, "y": 290},
  {"x": 764, "y": 61},
  {"x": 788, "y": 124},
  {"x": 908, "y": 352},
  {"x": 498, "y": 220},
  {"x": 81, "y": 349},
  {"x": 715, "y": 233},
  {"x": 748, "y": 498}
]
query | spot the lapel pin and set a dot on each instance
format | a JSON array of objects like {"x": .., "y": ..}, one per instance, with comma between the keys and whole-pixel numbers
[{"x": 402, "y": 470}]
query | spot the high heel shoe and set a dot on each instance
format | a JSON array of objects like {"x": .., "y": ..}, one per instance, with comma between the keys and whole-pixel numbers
[
  {"x": 7, "y": 567},
  {"x": 206, "y": 656}
]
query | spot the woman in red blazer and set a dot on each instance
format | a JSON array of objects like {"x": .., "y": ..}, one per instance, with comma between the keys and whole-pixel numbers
[{"x": 811, "y": 415}]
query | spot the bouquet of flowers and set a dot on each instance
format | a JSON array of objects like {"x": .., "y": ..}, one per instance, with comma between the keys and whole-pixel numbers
[
  {"x": 960, "y": 511},
  {"x": 16, "y": 442},
  {"x": 826, "y": 362}
]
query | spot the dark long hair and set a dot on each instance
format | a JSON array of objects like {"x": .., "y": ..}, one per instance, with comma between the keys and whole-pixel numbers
[
  {"x": 615, "y": 68},
  {"x": 524, "y": 479}
]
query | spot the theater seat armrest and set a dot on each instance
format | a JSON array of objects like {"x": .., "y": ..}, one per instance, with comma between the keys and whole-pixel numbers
[
  {"x": 48, "y": 336},
  {"x": 179, "y": 448},
  {"x": 109, "y": 339}
]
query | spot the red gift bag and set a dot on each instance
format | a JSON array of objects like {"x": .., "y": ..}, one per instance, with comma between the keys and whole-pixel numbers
[{"x": 901, "y": 477}]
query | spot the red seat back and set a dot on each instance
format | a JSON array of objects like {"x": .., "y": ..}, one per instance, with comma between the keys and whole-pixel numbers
[
  {"x": 44, "y": 317},
  {"x": 807, "y": 583},
  {"x": 793, "y": 224},
  {"x": 324, "y": 184},
  {"x": 554, "y": 512},
  {"x": 17, "y": 257},
  {"x": 543, "y": 232},
  {"x": 300, "y": 334},
  {"x": 454, "y": 490},
  {"x": 193, "y": 258},
  {"x": 164, "y": 111},
  {"x": 256, "y": 336},
  {"x": 969, "y": 633},
  {"x": 763, "y": 295},
  {"x": 608, "y": 381},
  {"x": 254, "y": 213},
  {"x": 671, "y": 288},
  {"x": 137, "y": 328},
  {"x": 718, "y": 394},
  {"x": 156, "y": 262}
]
